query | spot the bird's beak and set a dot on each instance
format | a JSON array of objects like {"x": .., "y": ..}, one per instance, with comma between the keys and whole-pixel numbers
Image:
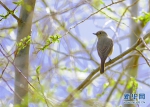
[{"x": 94, "y": 33}]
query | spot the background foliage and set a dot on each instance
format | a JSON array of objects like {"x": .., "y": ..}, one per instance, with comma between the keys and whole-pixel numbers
[{"x": 63, "y": 56}]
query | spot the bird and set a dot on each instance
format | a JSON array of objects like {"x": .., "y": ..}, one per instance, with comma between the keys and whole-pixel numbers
[{"x": 104, "y": 47}]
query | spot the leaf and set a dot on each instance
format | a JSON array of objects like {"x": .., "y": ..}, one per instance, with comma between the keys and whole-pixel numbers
[
  {"x": 105, "y": 85},
  {"x": 44, "y": 47},
  {"x": 130, "y": 84},
  {"x": 70, "y": 89},
  {"x": 51, "y": 39},
  {"x": 20, "y": 2},
  {"x": 97, "y": 3},
  {"x": 109, "y": 9},
  {"x": 28, "y": 8},
  {"x": 38, "y": 69},
  {"x": 2, "y": 15},
  {"x": 145, "y": 18},
  {"x": 55, "y": 38},
  {"x": 112, "y": 82},
  {"x": 122, "y": 82}
]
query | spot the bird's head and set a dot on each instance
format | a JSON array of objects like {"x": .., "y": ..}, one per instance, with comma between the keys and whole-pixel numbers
[{"x": 100, "y": 34}]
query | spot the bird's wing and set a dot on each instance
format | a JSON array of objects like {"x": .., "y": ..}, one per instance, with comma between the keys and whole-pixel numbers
[{"x": 104, "y": 47}]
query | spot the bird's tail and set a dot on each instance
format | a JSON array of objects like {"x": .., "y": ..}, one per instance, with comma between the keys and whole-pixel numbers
[{"x": 102, "y": 66}]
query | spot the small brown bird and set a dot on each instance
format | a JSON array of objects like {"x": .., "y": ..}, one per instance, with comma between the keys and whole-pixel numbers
[{"x": 104, "y": 47}]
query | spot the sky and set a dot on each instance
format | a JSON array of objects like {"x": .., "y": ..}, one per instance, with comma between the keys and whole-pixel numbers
[{"x": 84, "y": 32}]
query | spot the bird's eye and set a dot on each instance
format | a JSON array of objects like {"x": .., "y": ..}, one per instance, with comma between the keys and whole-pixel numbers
[{"x": 99, "y": 32}]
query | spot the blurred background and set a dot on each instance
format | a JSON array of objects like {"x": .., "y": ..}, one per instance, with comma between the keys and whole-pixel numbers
[{"x": 62, "y": 52}]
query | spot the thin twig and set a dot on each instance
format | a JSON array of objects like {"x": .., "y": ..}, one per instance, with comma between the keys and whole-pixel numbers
[
  {"x": 11, "y": 88},
  {"x": 143, "y": 57},
  {"x": 124, "y": 14},
  {"x": 4, "y": 69},
  {"x": 16, "y": 68},
  {"x": 91, "y": 16},
  {"x": 145, "y": 44},
  {"x": 11, "y": 12}
]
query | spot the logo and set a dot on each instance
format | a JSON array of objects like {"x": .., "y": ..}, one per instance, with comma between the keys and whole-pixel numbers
[{"x": 134, "y": 98}]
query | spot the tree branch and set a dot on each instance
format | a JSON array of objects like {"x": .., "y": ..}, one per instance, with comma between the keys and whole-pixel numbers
[
  {"x": 11, "y": 12},
  {"x": 70, "y": 97}
]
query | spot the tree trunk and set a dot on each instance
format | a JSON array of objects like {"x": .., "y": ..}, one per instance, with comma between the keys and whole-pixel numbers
[
  {"x": 22, "y": 58},
  {"x": 132, "y": 71}
]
